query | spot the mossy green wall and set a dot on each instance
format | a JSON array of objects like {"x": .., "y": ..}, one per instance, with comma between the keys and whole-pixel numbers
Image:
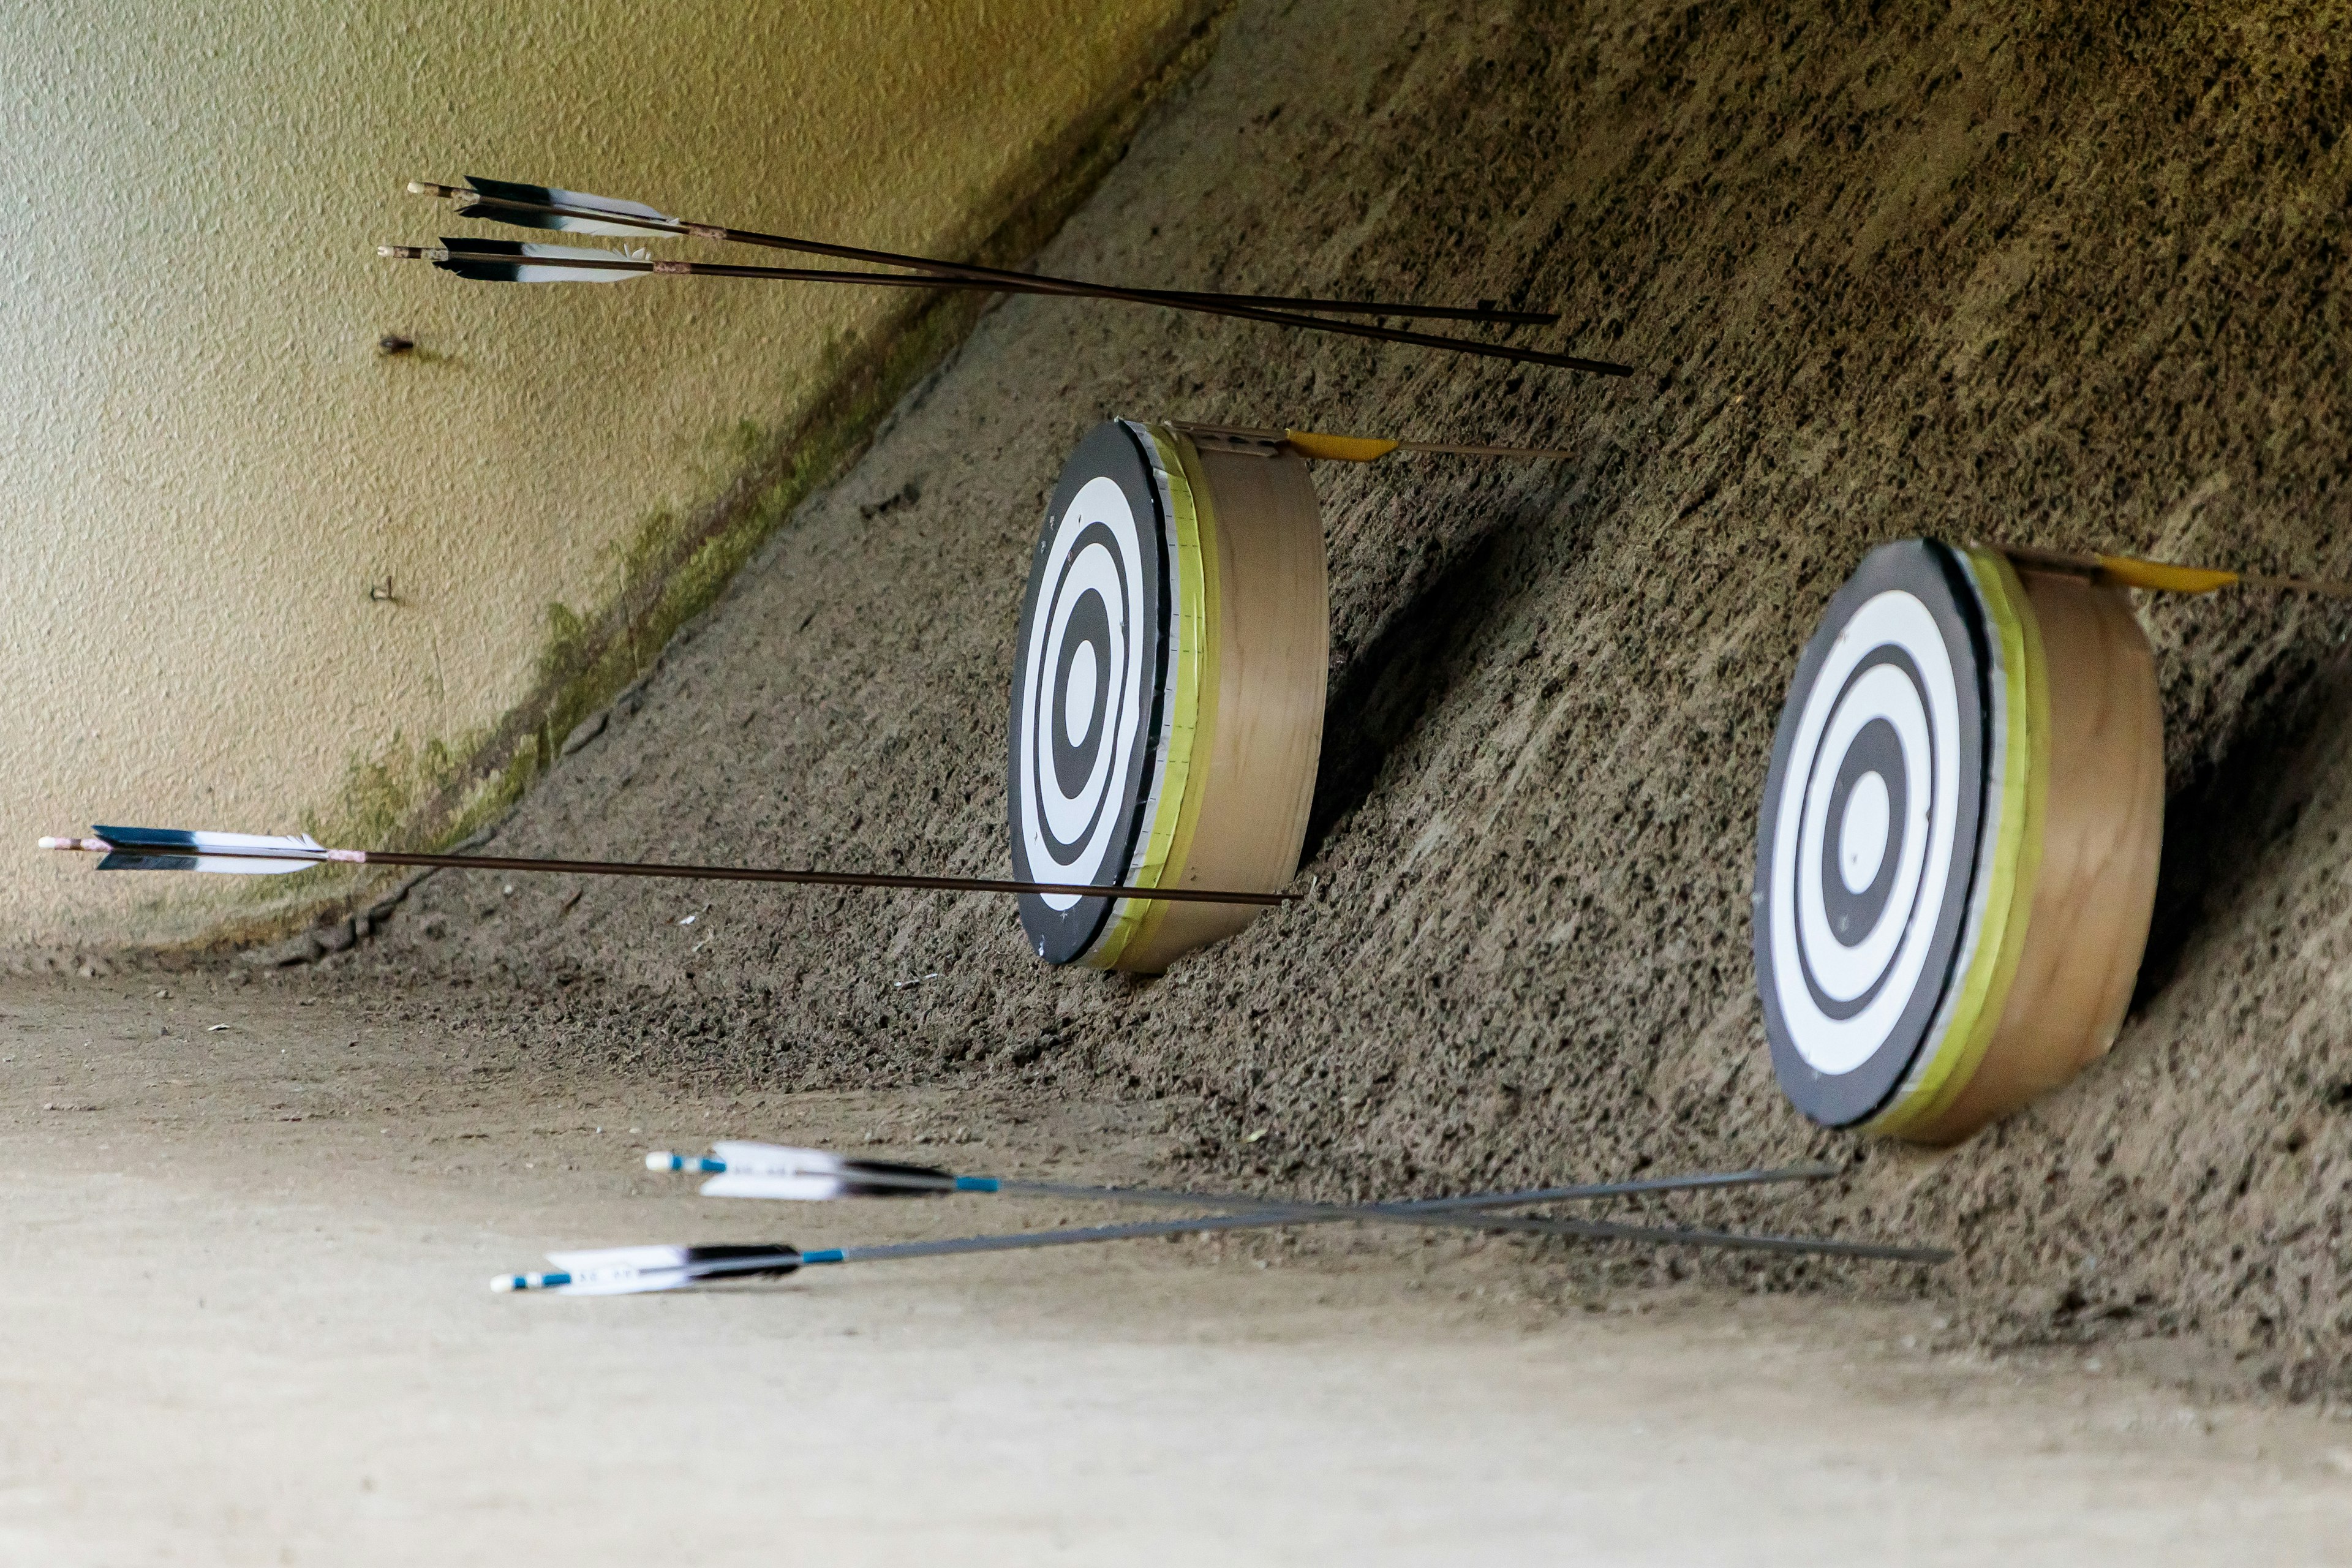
[{"x": 209, "y": 464}]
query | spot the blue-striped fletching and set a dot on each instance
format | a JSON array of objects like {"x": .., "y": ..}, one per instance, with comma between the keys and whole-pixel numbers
[
  {"x": 237, "y": 853},
  {"x": 629, "y": 1270},
  {"x": 645, "y": 217},
  {"x": 507, "y": 261},
  {"x": 812, "y": 1176}
]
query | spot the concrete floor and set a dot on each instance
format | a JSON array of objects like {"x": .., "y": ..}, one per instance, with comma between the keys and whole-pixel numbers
[{"x": 244, "y": 1321}]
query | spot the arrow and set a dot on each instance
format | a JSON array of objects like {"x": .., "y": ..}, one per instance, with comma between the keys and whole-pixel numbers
[
  {"x": 775, "y": 1171},
  {"x": 1344, "y": 448},
  {"x": 745, "y": 1169},
  {"x": 2164, "y": 577},
  {"x": 507, "y": 261},
  {"x": 531, "y": 206},
  {"x": 245, "y": 854},
  {"x": 621, "y": 1271},
  {"x": 576, "y": 212}
]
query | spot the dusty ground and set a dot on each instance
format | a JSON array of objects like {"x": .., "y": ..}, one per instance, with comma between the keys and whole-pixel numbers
[
  {"x": 245, "y": 1322},
  {"x": 2065, "y": 274}
]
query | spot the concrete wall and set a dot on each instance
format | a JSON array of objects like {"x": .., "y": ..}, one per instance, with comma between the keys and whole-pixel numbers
[{"x": 207, "y": 463}]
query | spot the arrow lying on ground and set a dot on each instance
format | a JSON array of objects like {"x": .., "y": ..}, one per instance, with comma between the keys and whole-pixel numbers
[
  {"x": 621, "y": 1271},
  {"x": 547, "y": 207},
  {"x": 260, "y": 855},
  {"x": 743, "y": 1170},
  {"x": 747, "y": 1170}
]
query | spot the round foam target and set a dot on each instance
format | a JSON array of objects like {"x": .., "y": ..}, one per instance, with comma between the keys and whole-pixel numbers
[
  {"x": 1966, "y": 755},
  {"x": 1167, "y": 692}
]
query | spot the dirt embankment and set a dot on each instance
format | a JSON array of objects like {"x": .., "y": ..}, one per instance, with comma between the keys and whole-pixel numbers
[{"x": 2072, "y": 275}]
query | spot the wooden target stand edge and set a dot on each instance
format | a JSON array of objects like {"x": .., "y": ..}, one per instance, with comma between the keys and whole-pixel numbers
[
  {"x": 2076, "y": 888},
  {"x": 1264, "y": 638},
  {"x": 1257, "y": 690},
  {"x": 2101, "y": 828}
]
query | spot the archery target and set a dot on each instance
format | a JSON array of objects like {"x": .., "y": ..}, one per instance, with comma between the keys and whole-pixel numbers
[
  {"x": 1088, "y": 687},
  {"x": 1966, "y": 755},
  {"x": 1868, "y": 840},
  {"x": 1168, "y": 692}
]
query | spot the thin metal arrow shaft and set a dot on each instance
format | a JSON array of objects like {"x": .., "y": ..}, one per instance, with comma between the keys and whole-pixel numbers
[{"x": 1457, "y": 1213}]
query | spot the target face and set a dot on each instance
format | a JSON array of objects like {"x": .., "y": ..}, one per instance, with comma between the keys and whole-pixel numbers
[
  {"x": 1090, "y": 678},
  {"x": 1868, "y": 845}
]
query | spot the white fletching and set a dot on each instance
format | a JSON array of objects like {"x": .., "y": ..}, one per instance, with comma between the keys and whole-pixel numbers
[
  {"x": 233, "y": 854},
  {"x": 803, "y": 1188},
  {"x": 776, "y": 1159},
  {"x": 562, "y": 198},
  {"x": 298, "y": 844},
  {"x": 621, "y": 1270},
  {"x": 655, "y": 1256},
  {"x": 526, "y": 273}
]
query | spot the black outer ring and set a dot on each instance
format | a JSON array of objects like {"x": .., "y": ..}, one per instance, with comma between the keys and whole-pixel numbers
[
  {"x": 1113, "y": 451},
  {"x": 1935, "y": 576}
]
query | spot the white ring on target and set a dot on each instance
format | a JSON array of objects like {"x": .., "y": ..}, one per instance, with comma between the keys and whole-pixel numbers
[
  {"x": 1898, "y": 948},
  {"x": 1099, "y": 501},
  {"x": 1845, "y": 971},
  {"x": 1862, "y": 836},
  {"x": 1079, "y": 707}
]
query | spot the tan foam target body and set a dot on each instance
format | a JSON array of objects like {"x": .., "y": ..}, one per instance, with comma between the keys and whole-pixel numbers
[
  {"x": 2103, "y": 831},
  {"x": 1272, "y": 639}
]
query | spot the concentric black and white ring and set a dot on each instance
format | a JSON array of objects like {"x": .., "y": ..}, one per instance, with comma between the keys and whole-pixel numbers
[
  {"x": 1088, "y": 687},
  {"x": 1868, "y": 836}
]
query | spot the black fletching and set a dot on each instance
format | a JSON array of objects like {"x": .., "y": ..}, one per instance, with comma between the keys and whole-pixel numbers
[
  {"x": 484, "y": 261},
  {"x": 538, "y": 195},
  {"x": 903, "y": 1181},
  {"x": 742, "y": 1262}
]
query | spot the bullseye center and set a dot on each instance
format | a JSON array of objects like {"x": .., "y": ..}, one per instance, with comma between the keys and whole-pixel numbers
[
  {"x": 1862, "y": 838},
  {"x": 1078, "y": 702}
]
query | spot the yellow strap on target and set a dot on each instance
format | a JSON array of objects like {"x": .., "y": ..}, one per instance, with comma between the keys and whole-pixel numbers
[
  {"x": 1340, "y": 448},
  {"x": 2019, "y": 766},
  {"x": 2161, "y": 577}
]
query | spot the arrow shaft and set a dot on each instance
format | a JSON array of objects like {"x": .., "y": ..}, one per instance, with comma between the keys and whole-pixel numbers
[
  {"x": 1592, "y": 1230},
  {"x": 816, "y": 879},
  {"x": 1459, "y": 1213},
  {"x": 696, "y": 873},
  {"x": 1582, "y": 1193}
]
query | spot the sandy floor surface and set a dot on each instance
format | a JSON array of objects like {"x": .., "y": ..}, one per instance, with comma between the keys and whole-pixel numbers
[{"x": 246, "y": 1322}]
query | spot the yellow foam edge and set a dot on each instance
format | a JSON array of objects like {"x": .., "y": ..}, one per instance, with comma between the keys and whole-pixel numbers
[
  {"x": 2016, "y": 862},
  {"x": 1194, "y": 700}
]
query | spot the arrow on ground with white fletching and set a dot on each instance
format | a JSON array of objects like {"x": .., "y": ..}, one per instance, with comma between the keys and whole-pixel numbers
[
  {"x": 548, "y": 208},
  {"x": 251, "y": 855},
  {"x": 747, "y": 1170},
  {"x": 621, "y": 1271},
  {"x": 742, "y": 1170}
]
